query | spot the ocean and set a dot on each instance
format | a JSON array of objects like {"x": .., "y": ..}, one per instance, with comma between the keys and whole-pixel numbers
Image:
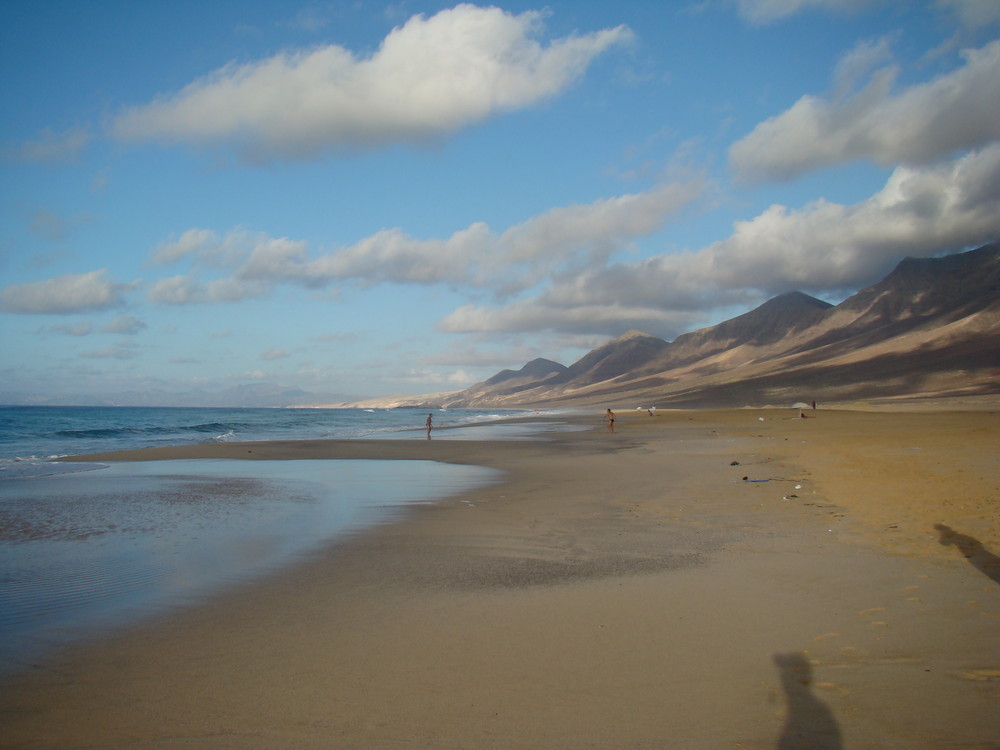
[
  {"x": 31, "y": 434},
  {"x": 87, "y": 548}
]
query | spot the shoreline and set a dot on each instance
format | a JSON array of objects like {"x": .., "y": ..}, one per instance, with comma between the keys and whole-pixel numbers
[{"x": 624, "y": 590}]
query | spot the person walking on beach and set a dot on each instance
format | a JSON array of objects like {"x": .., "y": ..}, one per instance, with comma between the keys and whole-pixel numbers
[
  {"x": 610, "y": 417},
  {"x": 430, "y": 426}
]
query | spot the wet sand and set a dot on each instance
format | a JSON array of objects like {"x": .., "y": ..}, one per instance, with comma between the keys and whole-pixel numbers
[{"x": 617, "y": 591}]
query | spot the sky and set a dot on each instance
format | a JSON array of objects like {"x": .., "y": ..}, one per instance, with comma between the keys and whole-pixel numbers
[{"x": 359, "y": 198}]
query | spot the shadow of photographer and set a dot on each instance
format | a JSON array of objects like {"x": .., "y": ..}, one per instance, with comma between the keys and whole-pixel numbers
[
  {"x": 972, "y": 550},
  {"x": 809, "y": 724}
]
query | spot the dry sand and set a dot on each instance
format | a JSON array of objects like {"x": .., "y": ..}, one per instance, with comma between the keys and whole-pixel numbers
[{"x": 617, "y": 591}]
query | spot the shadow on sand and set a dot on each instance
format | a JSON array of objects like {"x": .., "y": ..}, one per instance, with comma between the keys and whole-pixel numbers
[
  {"x": 972, "y": 550},
  {"x": 810, "y": 724}
]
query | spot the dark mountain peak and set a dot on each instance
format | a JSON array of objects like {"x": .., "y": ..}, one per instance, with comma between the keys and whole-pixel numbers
[
  {"x": 536, "y": 369},
  {"x": 973, "y": 261},
  {"x": 948, "y": 285},
  {"x": 541, "y": 366},
  {"x": 772, "y": 321},
  {"x": 790, "y": 302}
]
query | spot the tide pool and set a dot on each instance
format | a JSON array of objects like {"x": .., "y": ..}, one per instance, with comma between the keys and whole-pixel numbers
[{"x": 86, "y": 552}]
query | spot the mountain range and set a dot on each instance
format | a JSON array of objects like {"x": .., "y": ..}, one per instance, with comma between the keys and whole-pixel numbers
[{"x": 931, "y": 328}]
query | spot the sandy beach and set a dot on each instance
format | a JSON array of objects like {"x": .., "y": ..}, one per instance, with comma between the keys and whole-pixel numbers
[{"x": 704, "y": 579}]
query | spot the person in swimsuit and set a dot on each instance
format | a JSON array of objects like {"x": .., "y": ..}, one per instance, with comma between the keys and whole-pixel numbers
[{"x": 610, "y": 417}]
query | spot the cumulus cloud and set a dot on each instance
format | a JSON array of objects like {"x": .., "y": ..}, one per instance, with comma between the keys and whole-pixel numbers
[
  {"x": 430, "y": 77},
  {"x": 69, "y": 293},
  {"x": 187, "y": 289},
  {"x": 208, "y": 248},
  {"x": 565, "y": 239},
  {"x": 915, "y": 126},
  {"x": 201, "y": 243},
  {"x": 821, "y": 247}
]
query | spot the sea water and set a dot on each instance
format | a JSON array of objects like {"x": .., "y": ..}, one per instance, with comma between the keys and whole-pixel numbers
[
  {"x": 31, "y": 434},
  {"x": 85, "y": 548}
]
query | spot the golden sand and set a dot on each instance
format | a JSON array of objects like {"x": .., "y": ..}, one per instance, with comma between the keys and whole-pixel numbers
[{"x": 616, "y": 591}]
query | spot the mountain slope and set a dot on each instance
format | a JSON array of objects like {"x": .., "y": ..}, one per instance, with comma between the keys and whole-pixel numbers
[
  {"x": 742, "y": 338},
  {"x": 630, "y": 352}
]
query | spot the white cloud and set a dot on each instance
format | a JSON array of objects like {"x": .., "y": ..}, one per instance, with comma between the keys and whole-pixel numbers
[
  {"x": 956, "y": 111},
  {"x": 821, "y": 247},
  {"x": 197, "y": 242},
  {"x": 258, "y": 262},
  {"x": 176, "y": 290},
  {"x": 69, "y": 293},
  {"x": 429, "y": 77},
  {"x": 858, "y": 62},
  {"x": 564, "y": 238},
  {"x": 561, "y": 240},
  {"x": 184, "y": 290}
]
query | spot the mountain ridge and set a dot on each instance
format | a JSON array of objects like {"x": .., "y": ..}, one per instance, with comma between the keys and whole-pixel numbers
[{"x": 931, "y": 327}]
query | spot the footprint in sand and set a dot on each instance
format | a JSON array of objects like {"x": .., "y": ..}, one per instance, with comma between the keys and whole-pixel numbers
[
  {"x": 825, "y": 636},
  {"x": 832, "y": 687},
  {"x": 981, "y": 675}
]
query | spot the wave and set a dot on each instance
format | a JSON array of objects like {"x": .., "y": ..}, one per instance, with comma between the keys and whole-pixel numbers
[
  {"x": 31, "y": 467},
  {"x": 111, "y": 432}
]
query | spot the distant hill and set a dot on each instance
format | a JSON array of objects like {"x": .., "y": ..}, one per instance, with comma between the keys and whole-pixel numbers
[
  {"x": 508, "y": 383},
  {"x": 929, "y": 328}
]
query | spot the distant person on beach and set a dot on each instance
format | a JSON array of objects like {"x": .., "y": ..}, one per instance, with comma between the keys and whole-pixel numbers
[
  {"x": 610, "y": 417},
  {"x": 430, "y": 425}
]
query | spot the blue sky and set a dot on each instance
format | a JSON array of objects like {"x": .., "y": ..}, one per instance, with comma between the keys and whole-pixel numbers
[{"x": 371, "y": 198}]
